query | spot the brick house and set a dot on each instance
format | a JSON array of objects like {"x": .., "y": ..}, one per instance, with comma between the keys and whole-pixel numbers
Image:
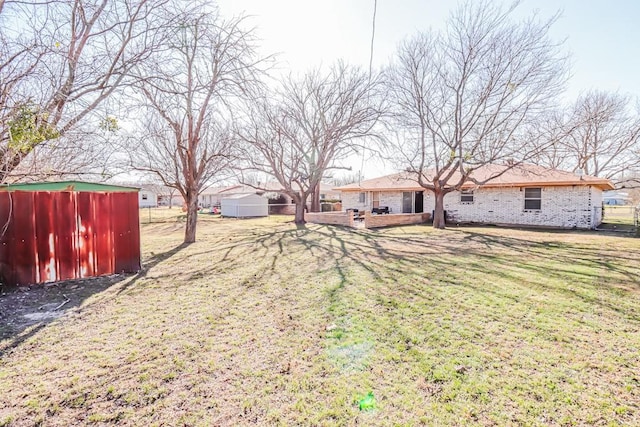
[{"x": 527, "y": 195}]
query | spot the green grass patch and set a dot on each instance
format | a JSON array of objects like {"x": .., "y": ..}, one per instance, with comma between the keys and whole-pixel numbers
[{"x": 262, "y": 322}]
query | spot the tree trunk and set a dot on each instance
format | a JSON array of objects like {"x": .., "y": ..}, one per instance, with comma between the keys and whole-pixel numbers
[
  {"x": 315, "y": 199},
  {"x": 300, "y": 207},
  {"x": 299, "y": 219},
  {"x": 438, "y": 214},
  {"x": 192, "y": 217},
  {"x": 9, "y": 161}
]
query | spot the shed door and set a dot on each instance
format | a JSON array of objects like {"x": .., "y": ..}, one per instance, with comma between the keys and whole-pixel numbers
[
  {"x": 86, "y": 236},
  {"x": 102, "y": 233}
]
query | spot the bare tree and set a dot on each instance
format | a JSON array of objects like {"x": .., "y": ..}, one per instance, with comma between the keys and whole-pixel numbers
[
  {"x": 308, "y": 126},
  {"x": 603, "y": 136},
  {"x": 77, "y": 157},
  {"x": 73, "y": 57},
  {"x": 550, "y": 133},
  {"x": 349, "y": 178},
  {"x": 189, "y": 90},
  {"x": 20, "y": 55},
  {"x": 471, "y": 95}
]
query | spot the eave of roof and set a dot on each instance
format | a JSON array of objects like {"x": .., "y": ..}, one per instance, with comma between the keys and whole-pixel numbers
[
  {"x": 74, "y": 186},
  {"x": 603, "y": 185},
  {"x": 521, "y": 176}
]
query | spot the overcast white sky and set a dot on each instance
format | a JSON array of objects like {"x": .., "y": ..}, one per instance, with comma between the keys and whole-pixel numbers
[{"x": 602, "y": 36}]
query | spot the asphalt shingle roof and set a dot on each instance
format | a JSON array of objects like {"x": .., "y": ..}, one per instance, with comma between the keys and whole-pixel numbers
[{"x": 500, "y": 176}]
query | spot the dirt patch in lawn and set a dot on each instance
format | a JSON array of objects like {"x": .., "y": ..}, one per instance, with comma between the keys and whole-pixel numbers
[{"x": 35, "y": 306}]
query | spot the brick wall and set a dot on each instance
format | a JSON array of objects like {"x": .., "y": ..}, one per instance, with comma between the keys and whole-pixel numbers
[
  {"x": 376, "y": 221},
  {"x": 563, "y": 207},
  {"x": 392, "y": 199},
  {"x": 350, "y": 201},
  {"x": 333, "y": 218},
  {"x": 281, "y": 209}
]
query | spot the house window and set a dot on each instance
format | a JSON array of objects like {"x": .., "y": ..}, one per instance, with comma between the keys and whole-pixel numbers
[
  {"x": 532, "y": 199},
  {"x": 362, "y": 198},
  {"x": 144, "y": 196},
  {"x": 407, "y": 202},
  {"x": 466, "y": 196}
]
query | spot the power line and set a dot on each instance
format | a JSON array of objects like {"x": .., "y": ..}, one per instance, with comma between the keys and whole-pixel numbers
[{"x": 373, "y": 35}]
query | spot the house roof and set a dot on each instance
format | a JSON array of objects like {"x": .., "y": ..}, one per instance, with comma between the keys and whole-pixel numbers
[
  {"x": 524, "y": 175},
  {"x": 211, "y": 191},
  {"x": 157, "y": 189},
  {"x": 77, "y": 186}
]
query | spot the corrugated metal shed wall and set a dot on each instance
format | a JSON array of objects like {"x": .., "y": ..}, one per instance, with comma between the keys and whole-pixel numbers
[{"x": 59, "y": 235}]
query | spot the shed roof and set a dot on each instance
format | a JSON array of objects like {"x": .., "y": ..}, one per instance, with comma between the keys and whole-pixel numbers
[
  {"x": 76, "y": 186},
  {"x": 242, "y": 196},
  {"x": 519, "y": 176}
]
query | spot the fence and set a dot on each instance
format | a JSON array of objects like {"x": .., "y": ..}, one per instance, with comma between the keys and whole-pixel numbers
[
  {"x": 282, "y": 209},
  {"x": 290, "y": 208},
  {"x": 618, "y": 210}
]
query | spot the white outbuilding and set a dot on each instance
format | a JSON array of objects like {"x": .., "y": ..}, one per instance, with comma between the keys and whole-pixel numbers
[
  {"x": 244, "y": 206},
  {"x": 147, "y": 198}
]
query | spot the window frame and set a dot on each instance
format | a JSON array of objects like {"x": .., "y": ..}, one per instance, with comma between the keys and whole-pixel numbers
[
  {"x": 411, "y": 200},
  {"x": 375, "y": 199},
  {"x": 362, "y": 197},
  {"x": 530, "y": 199},
  {"x": 467, "y": 193}
]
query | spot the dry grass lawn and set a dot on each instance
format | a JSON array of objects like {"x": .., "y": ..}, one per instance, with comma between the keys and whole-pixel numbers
[{"x": 261, "y": 322}]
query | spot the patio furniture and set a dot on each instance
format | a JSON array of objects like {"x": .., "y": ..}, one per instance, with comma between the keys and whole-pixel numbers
[{"x": 380, "y": 210}]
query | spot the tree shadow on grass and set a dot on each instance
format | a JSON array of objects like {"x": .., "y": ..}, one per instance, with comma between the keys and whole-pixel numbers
[
  {"x": 569, "y": 268},
  {"x": 24, "y": 311},
  {"x": 378, "y": 256},
  {"x": 576, "y": 271},
  {"x": 149, "y": 264}
]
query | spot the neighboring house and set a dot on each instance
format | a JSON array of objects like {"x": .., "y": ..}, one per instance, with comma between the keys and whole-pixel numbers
[
  {"x": 154, "y": 195},
  {"x": 211, "y": 197},
  {"x": 270, "y": 190},
  {"x": 169, "y": 196},
  {"x": 147, "y": 198},
  {"x": 327, "y": 192},
  {"x": 616, "y": 198},
  {"x": 524, "y": 195}
]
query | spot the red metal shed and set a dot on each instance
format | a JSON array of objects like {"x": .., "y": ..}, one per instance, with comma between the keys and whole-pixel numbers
[{"x": 67, "y": 230}]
